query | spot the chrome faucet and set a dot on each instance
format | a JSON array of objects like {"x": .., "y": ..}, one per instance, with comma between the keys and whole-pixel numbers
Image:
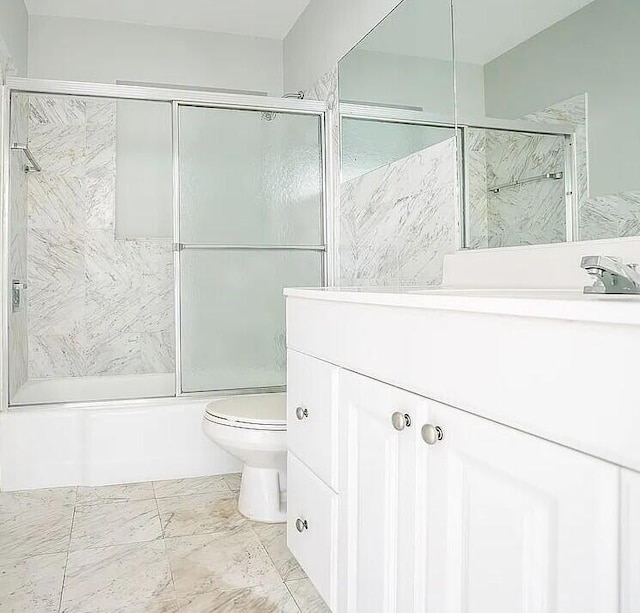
[{"x": 611, "y": 275}]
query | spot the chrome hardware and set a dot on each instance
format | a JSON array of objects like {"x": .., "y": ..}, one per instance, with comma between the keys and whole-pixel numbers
[
  {"x": 555, "y": 176},
  {"x": 17, "y": 287},
  {"x": 431, "y": 434},
  {"x": 400, "y": 421},
  {"x": 611, "y": 275},
  {"x": 301, "y": 525},
  {"x": 34, "y": 167},
  {"x": 301, "y": 413}
]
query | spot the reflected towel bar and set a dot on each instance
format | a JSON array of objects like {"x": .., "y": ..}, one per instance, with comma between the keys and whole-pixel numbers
[
  {"x": 35, "y": 167},
  {"x": 550, "y": 175}
]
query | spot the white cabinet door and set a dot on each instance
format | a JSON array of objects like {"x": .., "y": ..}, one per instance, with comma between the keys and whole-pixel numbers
[
  {"x": 630, "y": 542},
  {"x": 377, "y": 496},
  {"x": 514, "y": 523}
]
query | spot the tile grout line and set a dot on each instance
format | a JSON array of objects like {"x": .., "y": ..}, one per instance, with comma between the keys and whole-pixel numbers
[
  {"x": 66, "y": 562},
  {"x": 286, "y": 585},
  {"x": 164, "y": 546}
]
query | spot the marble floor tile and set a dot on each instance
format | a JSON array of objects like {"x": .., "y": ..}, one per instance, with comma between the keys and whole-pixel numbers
[
  {"x": 260, "y": 599},
  {"x": 115, "y": 493},
  {"x": 187, "y": 487},
  {"x": 306, "y": 596},
  {"x": 16, "y": 502},
  {"x": 153, "y": 605},
  {"x": 115, "y": 523},
  {"x": 274, "y": 539},
  {"x": 32, "y": 584},
  {"x": 200, "y": 514},
  {"x": 117, "y": 578},
  {"x": 222, "y": 561},
  {"x": 35, "y": 531},
  {"x": 233, "y": 481}
]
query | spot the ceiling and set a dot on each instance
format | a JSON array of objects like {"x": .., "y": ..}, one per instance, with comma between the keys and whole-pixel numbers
[
  {"x": 484, "y": 29},
  {"x": 270, "y": 19}
]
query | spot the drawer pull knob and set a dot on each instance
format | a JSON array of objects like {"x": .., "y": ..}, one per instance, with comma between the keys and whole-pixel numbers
[
  {"x": 302, "y": 413},
  {"x": 301, "y": 525},
  {"x": 400, "y": 421},
  {"x": 432, "y": 434}
]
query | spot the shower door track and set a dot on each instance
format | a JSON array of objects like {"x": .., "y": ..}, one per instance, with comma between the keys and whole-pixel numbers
[{"x": 177, "y": 98}]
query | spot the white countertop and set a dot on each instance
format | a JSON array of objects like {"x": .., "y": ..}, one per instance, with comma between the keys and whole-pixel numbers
[{"x": 570, "y": 305}]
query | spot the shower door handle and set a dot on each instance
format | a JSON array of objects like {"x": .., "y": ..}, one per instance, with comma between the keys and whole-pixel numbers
[{"x": 17, "y": 287}]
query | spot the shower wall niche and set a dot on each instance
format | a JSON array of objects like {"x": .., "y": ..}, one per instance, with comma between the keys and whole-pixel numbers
[{"x": 98, "y": 317}]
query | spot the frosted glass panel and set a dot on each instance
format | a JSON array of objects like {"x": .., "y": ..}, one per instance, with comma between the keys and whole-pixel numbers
[
  {"x": 250, "y": 178},
  {"x": 233, "y": 315}
]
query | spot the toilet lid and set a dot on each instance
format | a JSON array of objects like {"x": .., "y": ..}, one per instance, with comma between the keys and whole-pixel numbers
[{"x": 255, "y": 411}]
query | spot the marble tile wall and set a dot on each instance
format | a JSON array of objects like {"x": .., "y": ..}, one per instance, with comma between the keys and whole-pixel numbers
[
  {"x": 18, "y": 331},
  {"x": 398, "y": 222},
  {"x": 97, "y": 305},
  {"x": 528, "y": 214}
]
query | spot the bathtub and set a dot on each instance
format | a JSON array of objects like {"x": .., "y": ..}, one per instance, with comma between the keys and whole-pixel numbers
[{"x": 125, "y": 442}]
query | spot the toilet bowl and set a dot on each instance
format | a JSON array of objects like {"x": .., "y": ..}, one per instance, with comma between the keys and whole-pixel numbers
[{"x": 253, "y": 428}]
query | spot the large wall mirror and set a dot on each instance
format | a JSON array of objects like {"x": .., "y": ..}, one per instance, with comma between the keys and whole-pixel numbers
[
  {"x": 398, "y": 149},
  {"x": 544, "y": 117},
  {"x": 570, "y": 68}
]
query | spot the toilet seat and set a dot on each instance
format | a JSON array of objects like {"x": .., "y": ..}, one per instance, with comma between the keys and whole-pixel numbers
[{"x": 258, "y": 412}]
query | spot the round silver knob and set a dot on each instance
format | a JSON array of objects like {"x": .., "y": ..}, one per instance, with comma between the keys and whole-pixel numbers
[
  {"x": 431, "y": 434},
  {"x": 302, "y": 413},
  {"x": 301, "y": 525},
  {"x": 400, "y": 420}
]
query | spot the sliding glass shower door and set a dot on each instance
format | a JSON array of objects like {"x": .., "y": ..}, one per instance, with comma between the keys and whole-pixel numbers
[{"x": 249, "y": 223}]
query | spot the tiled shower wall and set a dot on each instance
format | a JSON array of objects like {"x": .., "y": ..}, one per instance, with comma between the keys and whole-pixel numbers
[
  {"x": 398, "y": 222},
  {"x": 18, "y": 365},
  {"x": 97, "y": 305},
  {"x": 528, "y": 214},
  {"x": 535, "y": 213}
]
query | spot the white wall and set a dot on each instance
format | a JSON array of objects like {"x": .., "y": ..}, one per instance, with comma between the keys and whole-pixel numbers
[
  {"x": 325, "y": 31},
  {"x": 100, "y": 51},
  {"x": 14, "y": 32},
  {"x": 595, "y": 50}
]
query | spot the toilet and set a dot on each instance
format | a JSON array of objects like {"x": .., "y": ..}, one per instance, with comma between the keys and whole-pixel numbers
[{"x": 253, "y": 428}]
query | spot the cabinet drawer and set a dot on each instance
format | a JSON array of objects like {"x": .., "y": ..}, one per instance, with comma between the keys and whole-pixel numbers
[
  {"x": 312, "y": 513},
  {"x": 311, "y": 419}
]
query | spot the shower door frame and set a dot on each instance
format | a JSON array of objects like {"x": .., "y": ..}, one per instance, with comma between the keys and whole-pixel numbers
[
  {"x": 387, "y": 114},
  {"x": 177, "y": 98}
]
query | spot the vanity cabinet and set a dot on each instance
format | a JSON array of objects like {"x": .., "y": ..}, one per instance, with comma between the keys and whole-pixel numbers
[
  {"x": 408, "y": 504},
  {"x": 513, "y": 522},
  {"x": 447, "y": 512},
  {"x": 630, "y": 542},
  {"x": 378, "y": 468}
]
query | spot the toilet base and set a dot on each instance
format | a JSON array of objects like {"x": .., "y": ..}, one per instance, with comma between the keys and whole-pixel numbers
[{"x": 260, "y": 496}]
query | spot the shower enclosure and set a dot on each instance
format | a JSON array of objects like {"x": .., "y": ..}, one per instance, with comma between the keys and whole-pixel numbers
[{"x": 148, "y": 236}]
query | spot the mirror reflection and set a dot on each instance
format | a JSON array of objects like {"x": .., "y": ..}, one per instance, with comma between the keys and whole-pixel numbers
[
  {"x": 564, "y": 63},
  {"x": 398, "y": 149}
]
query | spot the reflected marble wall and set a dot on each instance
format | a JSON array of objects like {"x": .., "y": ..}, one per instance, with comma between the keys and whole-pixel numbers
[
  {"x": 398, "y": 222},
  {"x": 604, "y": 216},
  {"x": 18, "y": 331},
  {"x": 394, "y": 225},
  {"x": 527, "y": 214},
  {"x": 97, "y": 305}
]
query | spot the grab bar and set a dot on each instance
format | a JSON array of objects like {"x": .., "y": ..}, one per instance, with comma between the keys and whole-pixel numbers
[
  {"x": 549, "y": 175},
  {"x": 35, "y": 167}
]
